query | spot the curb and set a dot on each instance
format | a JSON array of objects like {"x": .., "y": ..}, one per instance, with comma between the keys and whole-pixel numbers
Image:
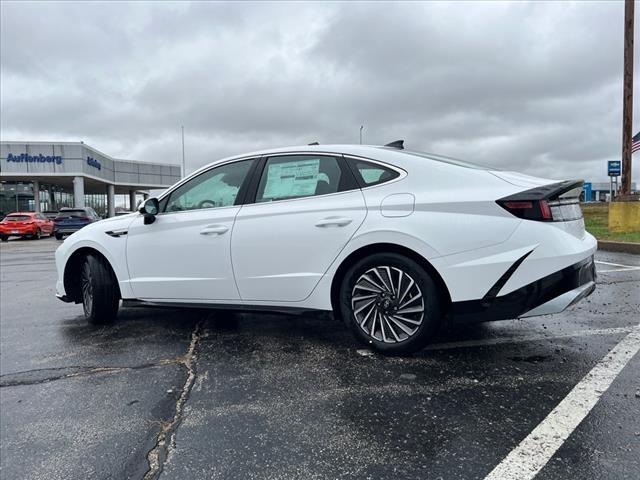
[{"x": 623, "y": 247}]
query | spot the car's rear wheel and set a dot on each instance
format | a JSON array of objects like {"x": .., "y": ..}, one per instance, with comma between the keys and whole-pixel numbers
[
  {"x": 4, "y": 238},
  {"x": 58, "y": 236},
  {"x": 390, "y": 303},
  {"x": 100, "y": 295}
]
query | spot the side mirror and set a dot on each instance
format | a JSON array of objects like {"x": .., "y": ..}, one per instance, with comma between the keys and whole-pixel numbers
[{"x": 150, "y": 209}]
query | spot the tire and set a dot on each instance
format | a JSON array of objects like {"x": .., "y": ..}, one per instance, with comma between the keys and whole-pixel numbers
[
  {"x": 58, "y": 236},
  {"x": 394, "y": 319},
  {"x": 99, "y": 290},
  {"x": 37, "y": 235},
  {"x": 4, "y": 238}
]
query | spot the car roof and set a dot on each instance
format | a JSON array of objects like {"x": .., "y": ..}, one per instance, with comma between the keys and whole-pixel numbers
[{"x": 374, "y": 152}]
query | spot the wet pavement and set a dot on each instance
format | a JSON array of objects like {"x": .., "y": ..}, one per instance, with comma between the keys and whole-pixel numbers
[{"x": 180, "y": 394}]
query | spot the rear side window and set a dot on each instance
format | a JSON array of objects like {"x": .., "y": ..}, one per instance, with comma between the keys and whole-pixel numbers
[
  {"x": 297, "y": 176},
  {"x": 17, "y": 218},
  {"x": 369, "y": 174}
]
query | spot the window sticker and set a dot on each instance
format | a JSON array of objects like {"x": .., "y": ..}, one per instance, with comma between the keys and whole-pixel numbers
[{"x": 292, "y": 179}]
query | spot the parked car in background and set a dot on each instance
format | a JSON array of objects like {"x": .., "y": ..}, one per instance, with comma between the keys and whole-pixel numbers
[
  {"x": 70, "y": 220},
  {"x": 395, "y": 242},
  {"x": 120, "y": 213},
  {"x": 50, "y": 214},
  {"x": 25, "y": 225}
]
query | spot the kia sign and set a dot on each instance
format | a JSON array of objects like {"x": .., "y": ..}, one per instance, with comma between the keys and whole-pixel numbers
[{"x": 614, "y": 168}]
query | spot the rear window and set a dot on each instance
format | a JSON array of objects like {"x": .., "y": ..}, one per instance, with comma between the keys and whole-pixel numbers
[
  {"x": 372, "y": 173},
  {"x": 72, "y": 213},
  {"x": 17, "y": 218}
]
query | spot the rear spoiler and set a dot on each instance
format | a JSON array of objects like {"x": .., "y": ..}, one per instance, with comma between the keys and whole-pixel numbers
[
  {"x": 556, "y": 202},
  {"x": 552, "y": 191}
]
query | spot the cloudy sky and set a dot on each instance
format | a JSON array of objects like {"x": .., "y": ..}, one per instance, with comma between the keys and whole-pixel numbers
[{"x": 528, "y": 86}]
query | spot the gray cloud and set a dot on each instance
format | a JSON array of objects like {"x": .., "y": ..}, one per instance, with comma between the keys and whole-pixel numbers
[{"x": 529, "y": 86}]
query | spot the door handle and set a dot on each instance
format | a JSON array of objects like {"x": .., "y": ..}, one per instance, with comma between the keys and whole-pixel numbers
[
  {"x": 334, "y": 222},
  {"x": 214, "y": 230}
]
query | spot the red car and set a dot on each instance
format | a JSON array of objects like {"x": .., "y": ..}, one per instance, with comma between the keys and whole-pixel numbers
[{"x": 25, "y": 224}]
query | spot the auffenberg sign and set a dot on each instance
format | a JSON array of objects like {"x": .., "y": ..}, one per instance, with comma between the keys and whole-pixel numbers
[{"x": 25, "y": 158}]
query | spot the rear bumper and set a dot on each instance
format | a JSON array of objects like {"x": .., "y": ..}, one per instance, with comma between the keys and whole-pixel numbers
[
  {"x": 17, "y": 232},
  {"x": 550, "y": 294}
]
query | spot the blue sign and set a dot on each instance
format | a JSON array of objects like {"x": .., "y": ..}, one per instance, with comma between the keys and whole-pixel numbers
[
  {"x": 614, "y": 168},
  {"x": 94, "y": 163},
  {"x": 25, "y": 158},
  {"x": 586, "y": 188}
]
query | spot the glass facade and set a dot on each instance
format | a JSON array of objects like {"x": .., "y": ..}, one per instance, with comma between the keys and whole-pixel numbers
[{"x": 18, "y": 197}]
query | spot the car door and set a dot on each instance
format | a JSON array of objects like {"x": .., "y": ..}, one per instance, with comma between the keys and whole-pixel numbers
[
  {"x": 305, "y": 210},
  {"x": 185, "y": 254}
]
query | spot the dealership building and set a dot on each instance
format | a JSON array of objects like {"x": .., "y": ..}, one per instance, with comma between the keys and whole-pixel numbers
[{"x": 39, "y": 176}]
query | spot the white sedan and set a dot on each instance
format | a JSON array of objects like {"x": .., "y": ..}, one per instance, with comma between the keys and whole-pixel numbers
[{"x": 394, "y": 242}]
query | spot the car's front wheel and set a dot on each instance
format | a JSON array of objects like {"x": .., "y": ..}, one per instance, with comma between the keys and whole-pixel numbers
[
  {"x": 58, "y": 236},
  {"x": 37, "y": 235},
  {"x": 99, "y": 288},
  {"x": 390, "y": 303},
  {"x": 4, "y": 238}
]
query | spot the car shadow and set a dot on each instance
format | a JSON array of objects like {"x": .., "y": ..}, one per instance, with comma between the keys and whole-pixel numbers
[{"x": 149, "y": 324}]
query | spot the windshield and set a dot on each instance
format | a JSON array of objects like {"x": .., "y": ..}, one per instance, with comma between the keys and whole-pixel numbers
[
  {"x": 17, "y": 218},
  {"x": 449, "y": 160},
  {"x": 72, "y": 213}
]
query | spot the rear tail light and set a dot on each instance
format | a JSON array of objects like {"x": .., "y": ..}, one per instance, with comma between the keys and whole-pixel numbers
[
  {"x": 551, "y": 203},
  {"x": 529, "y": 210}
]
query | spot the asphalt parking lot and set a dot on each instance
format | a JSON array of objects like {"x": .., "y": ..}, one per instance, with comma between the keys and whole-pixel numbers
[{"x": 179, "y": 394}]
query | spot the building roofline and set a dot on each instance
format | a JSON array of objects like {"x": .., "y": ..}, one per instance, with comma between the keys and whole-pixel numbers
[{"x": 89, "y": 147}]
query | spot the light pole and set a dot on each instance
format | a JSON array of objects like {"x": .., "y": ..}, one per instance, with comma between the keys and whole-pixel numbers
[
  {"x": 184, "y": 169},
  {"x": 361, "y": 127}
]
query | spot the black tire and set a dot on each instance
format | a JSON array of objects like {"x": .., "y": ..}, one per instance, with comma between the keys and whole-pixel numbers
[
  {"x": 99, "y": 291},
  {"x": 4, "y": 238},
  {"x": 37, "y": 235},
  {"x": 58, "y": 236},
  {"x": 392, "y": 332}
]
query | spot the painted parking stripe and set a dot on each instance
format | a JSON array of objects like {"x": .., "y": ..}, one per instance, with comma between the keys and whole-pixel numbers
[
  {"x": 628, "y": 269},
  {"x": 533, "y": 453},
  {"x": 527, "y": 338},
  {"x": 615, "y": 264}
]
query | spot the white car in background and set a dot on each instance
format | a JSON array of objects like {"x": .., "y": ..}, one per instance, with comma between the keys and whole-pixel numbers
[{"x": 394, "y": 242}]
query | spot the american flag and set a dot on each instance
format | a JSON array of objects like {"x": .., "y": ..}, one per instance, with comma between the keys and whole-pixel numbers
[{"x": 635, "y": 143}]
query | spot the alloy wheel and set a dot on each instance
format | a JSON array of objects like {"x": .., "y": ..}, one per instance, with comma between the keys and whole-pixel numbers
[
  {"x": 87, "y": 289},
  {"x": 388, "y": 304}
]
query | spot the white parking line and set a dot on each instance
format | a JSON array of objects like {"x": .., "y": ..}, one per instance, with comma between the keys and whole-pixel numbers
[
  {"x": 527, "y": 338},
  {"x": 628, "y": 269},
  {"x": 533, "y": 453},
  {"x": 615, "y": 264}
]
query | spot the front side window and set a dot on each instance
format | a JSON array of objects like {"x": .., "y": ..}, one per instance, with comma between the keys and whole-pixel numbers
[
  {"x": 217, "y": 187},
  {"x": 297, "y": 176},
  {"x": 373, "y": 174}
]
